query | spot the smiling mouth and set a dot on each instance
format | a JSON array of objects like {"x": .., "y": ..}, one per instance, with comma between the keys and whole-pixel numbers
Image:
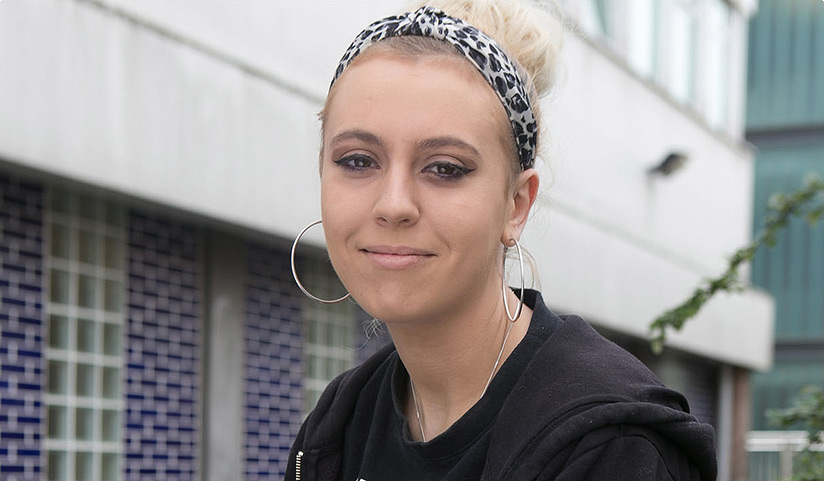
[{"x": 396, "y": 257}]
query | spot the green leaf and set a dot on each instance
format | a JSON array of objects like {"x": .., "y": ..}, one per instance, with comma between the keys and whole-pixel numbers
[{"x": 814, "y": 215}]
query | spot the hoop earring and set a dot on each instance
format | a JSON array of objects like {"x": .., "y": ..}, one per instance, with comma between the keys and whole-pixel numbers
[
  {"x": 295, "y": 272},
  {"x": 503, "y": 283}
]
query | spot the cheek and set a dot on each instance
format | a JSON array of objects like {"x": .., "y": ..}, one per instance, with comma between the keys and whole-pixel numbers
[
  {"x": 333, "y": 211},
  {"x": 342, "y": 211},
  {"x": 474, "y": 220}
]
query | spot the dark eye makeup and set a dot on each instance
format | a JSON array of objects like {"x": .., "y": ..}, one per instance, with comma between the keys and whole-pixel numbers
[
  {"x": 356, "y": 162},
  {"x": 447, "y": 170},
  {"x": 443, "y": 170}
]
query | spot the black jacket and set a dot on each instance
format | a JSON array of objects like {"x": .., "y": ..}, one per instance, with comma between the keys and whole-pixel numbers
[{"x": 583, "y": 409}]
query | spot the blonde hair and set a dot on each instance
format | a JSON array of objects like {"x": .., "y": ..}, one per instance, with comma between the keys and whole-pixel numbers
[{"x": 529, "y": 33}]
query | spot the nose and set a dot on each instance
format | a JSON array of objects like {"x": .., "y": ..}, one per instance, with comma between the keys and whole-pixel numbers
[{"x": 397, "y": 203}]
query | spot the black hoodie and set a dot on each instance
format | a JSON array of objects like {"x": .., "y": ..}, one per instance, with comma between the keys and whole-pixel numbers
[{"x": 581, "y": 408}]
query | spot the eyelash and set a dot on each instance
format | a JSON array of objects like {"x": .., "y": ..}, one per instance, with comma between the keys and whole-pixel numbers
[
  {"x": 458, "y": 171},
  {"x": 349, "y": 163}
]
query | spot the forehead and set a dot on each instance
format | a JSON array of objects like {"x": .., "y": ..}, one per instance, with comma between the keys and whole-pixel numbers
[{"x": 435, "y": 94}]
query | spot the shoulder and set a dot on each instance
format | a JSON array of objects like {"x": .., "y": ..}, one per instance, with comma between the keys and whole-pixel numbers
[
  {"x": 572, "y": 351},
  {"x": 600, "y": 369},
  {"x": 582, "y": 391},
  {"x": 576, "y": 365},
  {"x": 327, "y": 420},
  {"x": 625, "y": 452},
  {"x": 320, "y": 439}
]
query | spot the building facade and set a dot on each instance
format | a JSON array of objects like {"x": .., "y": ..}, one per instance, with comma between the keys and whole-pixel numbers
[
  {"x": 157, "y": 159},
  {"x": 785, "y": 121}
]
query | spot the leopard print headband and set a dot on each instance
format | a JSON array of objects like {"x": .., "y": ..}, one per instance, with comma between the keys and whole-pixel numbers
[{"x": 478, "y": 48}]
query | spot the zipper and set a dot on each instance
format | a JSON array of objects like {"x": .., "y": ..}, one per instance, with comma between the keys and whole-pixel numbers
[{"x": 298, "y": 458}]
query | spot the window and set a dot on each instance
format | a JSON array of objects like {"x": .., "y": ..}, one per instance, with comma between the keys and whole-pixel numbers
[
  {"x": 85, "y": 271},
  {"x": 720, "y": 30},
  {"x": 329, "y": 331},
  {"x": 676, "y": 55},
  {"x": 689, "y": 48},
  {"x": 640, "y": 49}
]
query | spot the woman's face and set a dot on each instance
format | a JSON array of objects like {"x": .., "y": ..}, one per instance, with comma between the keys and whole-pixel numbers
[{"x": 416, "y": 198}]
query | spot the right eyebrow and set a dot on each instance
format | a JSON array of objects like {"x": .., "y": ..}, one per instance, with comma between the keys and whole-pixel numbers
[{"x": 357, "y": 134}]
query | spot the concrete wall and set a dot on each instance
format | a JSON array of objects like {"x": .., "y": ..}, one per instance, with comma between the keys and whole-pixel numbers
[{"x": 210, "y": 108}]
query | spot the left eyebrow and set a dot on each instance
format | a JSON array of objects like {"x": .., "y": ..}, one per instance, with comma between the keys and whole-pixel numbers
[{"x": 447, "y": 141}]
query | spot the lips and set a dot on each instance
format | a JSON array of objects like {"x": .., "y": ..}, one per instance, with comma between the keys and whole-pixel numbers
[{"x": 396, "y": 257}]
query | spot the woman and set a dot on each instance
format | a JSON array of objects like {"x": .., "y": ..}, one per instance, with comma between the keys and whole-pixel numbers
[{"x": 429, "y": 140}]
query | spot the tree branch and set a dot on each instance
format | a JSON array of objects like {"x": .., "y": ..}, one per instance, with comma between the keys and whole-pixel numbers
[{"x": 781, "y": 208}]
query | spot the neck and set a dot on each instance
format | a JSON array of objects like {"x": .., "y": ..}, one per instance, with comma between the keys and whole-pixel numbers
[{"x": 450, "y": 360}]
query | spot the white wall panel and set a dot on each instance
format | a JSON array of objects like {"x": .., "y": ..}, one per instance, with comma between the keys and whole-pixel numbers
[
  {"x": 89, "y": 96},
  {"x": 622, "y": 284},
  {"x": 607, "y": 128}
]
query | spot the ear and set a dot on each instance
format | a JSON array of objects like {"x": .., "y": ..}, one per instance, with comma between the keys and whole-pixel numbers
[{"x": 522, "y": 197}]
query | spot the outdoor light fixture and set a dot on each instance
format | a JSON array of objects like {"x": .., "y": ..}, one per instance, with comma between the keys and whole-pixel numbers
[{"x": 673, "y": 162}]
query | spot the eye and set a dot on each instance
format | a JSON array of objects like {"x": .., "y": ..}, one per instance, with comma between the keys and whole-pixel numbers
[
  {"x": 356, "y": 162},
  {"x": 447, "y": 170}
]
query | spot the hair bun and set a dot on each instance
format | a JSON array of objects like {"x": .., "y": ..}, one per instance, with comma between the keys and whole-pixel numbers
[{"x": 530, "y": 33}]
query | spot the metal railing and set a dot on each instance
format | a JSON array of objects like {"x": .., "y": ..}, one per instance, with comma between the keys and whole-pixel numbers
[{"x": 771, "y": 453}]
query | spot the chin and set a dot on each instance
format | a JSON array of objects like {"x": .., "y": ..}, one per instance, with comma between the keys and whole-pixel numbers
[{"x": 395, "y": 303}]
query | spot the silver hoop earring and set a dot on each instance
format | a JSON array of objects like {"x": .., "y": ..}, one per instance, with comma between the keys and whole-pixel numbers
[
  {"x": 295, "y": 272},
  {"x": 503, "y": 283}
]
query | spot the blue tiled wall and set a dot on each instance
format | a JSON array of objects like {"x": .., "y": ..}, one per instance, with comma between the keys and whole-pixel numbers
[
  {"x": 162, "y": 416},
  {"x": 21, "y": 329},
  {"x": 163, "y": 350},
  {"x": 273, "y": 390}
]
